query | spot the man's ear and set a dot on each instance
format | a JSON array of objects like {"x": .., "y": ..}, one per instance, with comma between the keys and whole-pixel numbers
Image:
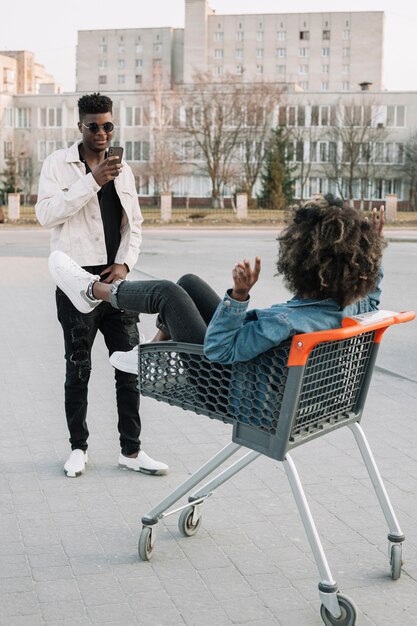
[{"x": 80, "y": 128}]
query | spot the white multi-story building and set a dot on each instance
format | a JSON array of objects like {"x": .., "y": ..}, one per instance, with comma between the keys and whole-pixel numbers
[
  {"x": 321, "y": 65},
  {"x": 318, "y": 51}
]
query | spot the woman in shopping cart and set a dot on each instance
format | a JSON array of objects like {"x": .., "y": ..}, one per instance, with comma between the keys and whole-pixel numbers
[{"x": 329, "y": 257}]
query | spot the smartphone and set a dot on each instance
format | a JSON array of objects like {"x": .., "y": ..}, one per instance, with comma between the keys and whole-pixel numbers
[{"x": 116, "y": 151}]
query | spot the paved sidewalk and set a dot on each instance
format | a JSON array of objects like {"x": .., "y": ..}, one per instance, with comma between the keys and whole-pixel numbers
[{"x": 68, "y": 547}]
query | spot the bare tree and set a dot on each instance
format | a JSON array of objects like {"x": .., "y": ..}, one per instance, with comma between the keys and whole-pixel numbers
[
  {"x": 164, "y": 163},
  {"x": 213, "y": 119},
  {"x": 260, "y": 101},
  {"x": 353, "y": 141},
  {"x": 410, "y": 169}
]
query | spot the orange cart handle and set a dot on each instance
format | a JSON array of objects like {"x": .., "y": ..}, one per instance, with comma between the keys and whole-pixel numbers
[{"x": 379, "y": 321}]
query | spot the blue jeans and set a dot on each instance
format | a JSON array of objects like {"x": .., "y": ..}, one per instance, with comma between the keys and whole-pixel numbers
[
  {"x": 184, "y": 308},
  {"x": 120, "y": 332}
]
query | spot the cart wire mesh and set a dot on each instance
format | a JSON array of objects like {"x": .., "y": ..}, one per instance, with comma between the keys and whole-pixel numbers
[
  {"x": 332, "y": 381},
  {"x": 252, "y": 392}
]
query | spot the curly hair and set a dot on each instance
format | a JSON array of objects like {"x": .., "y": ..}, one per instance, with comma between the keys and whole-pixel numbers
[
  {"x": 94, "y": 103},
  {"x": 330, "y": 251}
]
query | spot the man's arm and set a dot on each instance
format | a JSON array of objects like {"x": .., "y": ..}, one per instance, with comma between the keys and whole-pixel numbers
[{"x": 57, "y": 202}]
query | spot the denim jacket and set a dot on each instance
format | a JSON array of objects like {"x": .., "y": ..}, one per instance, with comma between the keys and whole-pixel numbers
[
  {"x": 236, "y": 334},
  {"x": 68, "y": 204}
]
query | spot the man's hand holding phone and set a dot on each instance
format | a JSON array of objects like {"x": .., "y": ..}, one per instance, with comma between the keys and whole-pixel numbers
[{"x": 110, "y": 167}]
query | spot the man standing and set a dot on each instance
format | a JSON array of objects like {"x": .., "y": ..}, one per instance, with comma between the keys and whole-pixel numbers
[{"x": 89, "y": 200}]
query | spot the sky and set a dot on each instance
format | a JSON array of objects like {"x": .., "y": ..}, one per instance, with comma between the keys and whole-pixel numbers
[{"x": 49, "y": 27}]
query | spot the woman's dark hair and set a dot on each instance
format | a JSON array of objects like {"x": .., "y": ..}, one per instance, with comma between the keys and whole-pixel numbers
[
  {"x": 94, "y": 103},
  {"x": 330, "y": 251}
]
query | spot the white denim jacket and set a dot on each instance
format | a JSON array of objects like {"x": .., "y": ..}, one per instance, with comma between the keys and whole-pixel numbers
[{"x": 68, "y": 204}]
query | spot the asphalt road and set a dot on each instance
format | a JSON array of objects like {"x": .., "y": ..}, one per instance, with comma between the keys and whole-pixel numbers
[{"x": 169, "y": 253}]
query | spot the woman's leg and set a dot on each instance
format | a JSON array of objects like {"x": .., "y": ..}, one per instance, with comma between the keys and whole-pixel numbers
[
  {"x": 204, "y": 297},
  {"x": 177, "y": 311}
]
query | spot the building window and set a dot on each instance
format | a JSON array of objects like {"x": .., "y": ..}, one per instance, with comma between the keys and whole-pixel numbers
[
  {"x": 303, "y": 69},
  {"x": 157, "y": 49},
  {"x": 303, "y": 84},
  {"x": 102, "y": 64},
  {"x": 346, "y": 34},
  {"x": 138, "y": 79},
  {"x": 326, "y": 34},
  {"x": 239, "y": 53},
  {"x": 218, "y": 36},
  {"x": 8, "y": 117},
  {"x": 281, "y": 70},
  {"x": 218, "y": 53},
  {"x": 396, "y": 115},
  {"x": 219, "y": 70},
  {"x": 260, "y": 35},
  {"x": 139, "y": 63},
  {"x": 260, "y": 53},
  {"x": 281, "y": 35},
  {"x": 399, "y": 153},
  {"x": 325, "y": 52},
  {"x": 137, "y": 150},
  {"x": 102, "y": 80},
  {"x": 121, "y": 64},
  {"x": 121, "y": 48},
  {"x": 325, "y": 68},
  {"x": 259, "y": 69},
  {"x": 7, "y": 149},
  {"x": 121, "y": 79},
  {"x": 102, "y": 48},
  {"x": 324, "y": 85},
  {"x": 239, "y": 69},
  {"x": 345, "y": 69},
  {"x": 139, "y": 48},
  {"x": 346, "y": 52},
  {"x": 23, "y": 118},
  {"x": 323, "y": 151},
  {"x": 345, "y": 85},
  {"x": 320, "y": 115},
  {"x": 50, "y": 117},
  {"x": 303, "y": 52},
  {"x": 281, "y": 52},
  {"x": 45, "y": 148},
  {"x": 239, "y": 35},
  {"x": 134, "y": 116},
  {"x": 305, "y": 35}
]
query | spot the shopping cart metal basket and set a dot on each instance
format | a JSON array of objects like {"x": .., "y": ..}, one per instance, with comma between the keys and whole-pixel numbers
[{"x": 300, "y": 390}]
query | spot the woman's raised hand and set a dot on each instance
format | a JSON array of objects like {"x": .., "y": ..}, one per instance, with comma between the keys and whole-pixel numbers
[{"x": 244, "y": 278}]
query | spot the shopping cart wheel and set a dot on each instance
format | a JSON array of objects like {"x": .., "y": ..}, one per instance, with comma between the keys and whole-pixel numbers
[
  {"x": 146, "y": 543},
  {"x": 189, "y": 521},
  {"x": 348, "y": 616},
  {"x": 396, "y": 560}
]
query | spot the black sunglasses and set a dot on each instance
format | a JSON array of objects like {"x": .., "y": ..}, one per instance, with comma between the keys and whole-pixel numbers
[{"x": 93, "y": 127}]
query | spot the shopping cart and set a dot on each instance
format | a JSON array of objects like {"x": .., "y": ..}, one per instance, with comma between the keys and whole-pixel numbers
[{"x": 293, "y": 393}]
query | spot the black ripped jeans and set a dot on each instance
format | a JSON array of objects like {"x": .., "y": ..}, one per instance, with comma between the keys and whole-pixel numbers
[{"x": 120, "y": 332}]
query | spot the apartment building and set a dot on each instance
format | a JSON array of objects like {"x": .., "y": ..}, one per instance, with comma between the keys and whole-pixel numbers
[
  {"x": 20, "y": 74},
  {"x": 317, "y": 51},
  {"x": 289, "y": 51},
  {"x": 35, "y": 125}
]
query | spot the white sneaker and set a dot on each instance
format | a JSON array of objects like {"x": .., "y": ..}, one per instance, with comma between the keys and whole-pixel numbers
[
  {"x": 143, "y": 463},
  {"x": 126, "y": 361},
  {"x": 75, "y": 464},
  {"x": 73, "y": 280}
]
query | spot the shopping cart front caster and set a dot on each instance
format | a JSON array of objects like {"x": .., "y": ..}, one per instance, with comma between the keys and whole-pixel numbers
[
  {"x": 396, "y": 560},
  {"x": 347, "y": 617},
  {"x": 190, "y": 521},
  {"x": 146, "y": 543}
]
